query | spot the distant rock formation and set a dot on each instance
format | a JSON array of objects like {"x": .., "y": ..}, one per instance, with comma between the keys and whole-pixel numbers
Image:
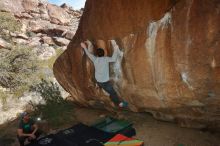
[
  {"x": 171, "y": 63},
  {"x": 44, "y": 25}
]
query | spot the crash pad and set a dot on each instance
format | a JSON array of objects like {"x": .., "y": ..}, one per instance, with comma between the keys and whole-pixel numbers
[
  {"x": 115, "y": 126},
  {"x": 121, "y": 140}
]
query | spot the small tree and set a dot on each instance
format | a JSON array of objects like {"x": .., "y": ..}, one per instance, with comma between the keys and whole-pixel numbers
[
  {"x": 18, "y": 69},
  {"x": 49, "y": 91},
  {"x": 57, "y": 111}
]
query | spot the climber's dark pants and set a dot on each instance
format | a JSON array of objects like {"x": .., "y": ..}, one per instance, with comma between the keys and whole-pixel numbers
[{"x": 107, "y": 86}]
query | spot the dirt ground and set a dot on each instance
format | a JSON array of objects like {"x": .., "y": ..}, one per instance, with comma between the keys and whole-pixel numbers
[{"x": 151, "y": 131}]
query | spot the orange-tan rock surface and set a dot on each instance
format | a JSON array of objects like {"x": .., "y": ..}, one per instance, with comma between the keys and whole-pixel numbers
[{"x": 171, "y": 58}]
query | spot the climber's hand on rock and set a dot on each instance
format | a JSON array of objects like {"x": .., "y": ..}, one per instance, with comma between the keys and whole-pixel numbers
[
  {"x": 83, "y": 45},
  {"x": 114, "y": 45},
  {"x": 113, "y": 42},
  {"x": 121, "y": 54},
  {"x": 88, "y": 42}
]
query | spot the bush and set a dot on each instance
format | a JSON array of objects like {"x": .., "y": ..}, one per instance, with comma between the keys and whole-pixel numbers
[
  {"x": 56, "y": 110},
  {"x": 49, "y": 91},
  {"x": 9, "y": 22},
  {"x": 3, "y": 97},
  {"x": 18, "y": 69}
]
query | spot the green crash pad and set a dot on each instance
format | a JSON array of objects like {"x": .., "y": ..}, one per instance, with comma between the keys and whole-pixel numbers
[{"x": 112, "y": 125}]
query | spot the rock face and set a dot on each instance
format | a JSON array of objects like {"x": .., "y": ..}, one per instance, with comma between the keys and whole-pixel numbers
[
  {"x": 58, "y": 14},
  {"x": 4, "y": 44},
  {"x": 8, "y": 5},
  {"x": 42, "y": 23},
  {"x": 171, "y": 63}
]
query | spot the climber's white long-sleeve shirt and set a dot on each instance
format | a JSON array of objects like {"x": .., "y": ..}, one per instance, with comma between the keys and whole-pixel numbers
[{"x": 102, "y": 65}]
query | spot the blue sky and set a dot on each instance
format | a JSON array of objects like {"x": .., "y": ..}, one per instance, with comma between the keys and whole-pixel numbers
[{"x": 76, "y": 4}]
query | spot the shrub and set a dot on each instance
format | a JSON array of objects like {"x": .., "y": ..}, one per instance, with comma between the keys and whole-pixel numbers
[
  {"x": 3, "y": 97},
  {"x": 56, "y": 109},
  {"x": 18, "y": 69},
  {"x": 49, "y": 91},
  {"x": 9, "y": 22}
]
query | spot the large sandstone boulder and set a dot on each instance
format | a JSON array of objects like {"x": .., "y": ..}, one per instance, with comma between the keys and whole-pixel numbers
[
  {"x": 68, "y": 34},
  {"x": 171, "y": 63},
  {"x": 31, "y": 5},
  {"x": 14, "y": 6},
  {"x": 61, "y": 41},
  {"x": 4, "y": 44},
  {"x": 47, "y": 40},
  {"x": 58, "y": 15},
  {"x": 34, "y": 42},
  {"x": 19, "y": 6},
  {"x": 40, "y": 9},
  {"x": 41, "y": 26}
]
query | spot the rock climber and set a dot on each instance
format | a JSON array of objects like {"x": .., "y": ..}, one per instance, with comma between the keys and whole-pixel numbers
[{"x": 101, "y": 64}]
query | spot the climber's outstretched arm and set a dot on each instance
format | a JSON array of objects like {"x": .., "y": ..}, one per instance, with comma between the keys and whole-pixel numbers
[
  {"x": 115, "y": 53},
  {"x": 90, "y": 46}
]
